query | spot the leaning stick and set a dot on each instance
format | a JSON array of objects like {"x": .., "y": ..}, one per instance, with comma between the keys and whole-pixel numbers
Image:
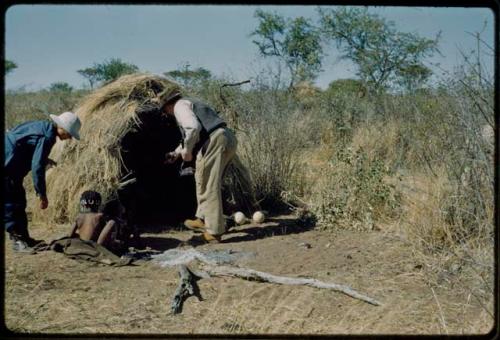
[{"x": 254, "y": 275}]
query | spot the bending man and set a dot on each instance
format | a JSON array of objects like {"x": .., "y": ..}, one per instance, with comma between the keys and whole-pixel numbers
[
  {"x": 207, "y": 140},
  {"x": 27, "y": 147}
]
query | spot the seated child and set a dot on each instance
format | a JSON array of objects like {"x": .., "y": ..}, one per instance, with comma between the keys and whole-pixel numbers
[{"x": 91, "y": 225}]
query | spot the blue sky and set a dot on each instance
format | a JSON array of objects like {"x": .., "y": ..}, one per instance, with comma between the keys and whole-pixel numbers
[{"x": 49, "y": 43}]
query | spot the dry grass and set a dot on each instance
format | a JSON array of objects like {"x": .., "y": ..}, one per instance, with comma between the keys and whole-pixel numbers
[
  {"x": 452, "y": 256},
  {"x": 51, "y": 294},
  {"x": 381, "y": 140},
  {"x": 22, "y": 106},
  {"x": 352, "y": 181}
]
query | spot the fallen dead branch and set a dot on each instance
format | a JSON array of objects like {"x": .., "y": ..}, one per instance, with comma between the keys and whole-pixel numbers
[
  {"x": 254, "y": 275},
  {"x": 214, "y": 266}
]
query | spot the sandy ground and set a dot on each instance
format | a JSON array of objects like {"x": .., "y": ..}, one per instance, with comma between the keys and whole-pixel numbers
[{"x": 48, "y": 293}]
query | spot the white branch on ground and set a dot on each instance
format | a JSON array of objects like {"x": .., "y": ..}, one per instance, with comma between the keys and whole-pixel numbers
[
  {"x": 250, "y": 274},
  {"x": 213, "y": 267}
]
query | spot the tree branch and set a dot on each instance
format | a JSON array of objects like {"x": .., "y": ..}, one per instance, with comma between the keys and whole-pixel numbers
[{"x": 253, "y": 275}]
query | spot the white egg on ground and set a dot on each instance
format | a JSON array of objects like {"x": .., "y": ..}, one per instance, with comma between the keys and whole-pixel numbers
[
  {"x": 239, "y": 217},
  {"x": 258, "y": 217}
]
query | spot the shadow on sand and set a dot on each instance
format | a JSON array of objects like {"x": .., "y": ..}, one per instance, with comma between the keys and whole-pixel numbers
[
  {"x": 274, "y": 227},
  {"x": 235, "y": 234},
  {"x": 157, "y": 244}
]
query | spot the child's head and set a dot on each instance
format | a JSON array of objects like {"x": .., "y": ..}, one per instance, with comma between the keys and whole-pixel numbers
[{"x": 90, "y": 201}]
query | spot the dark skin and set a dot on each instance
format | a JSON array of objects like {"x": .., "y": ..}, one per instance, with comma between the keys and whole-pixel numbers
[{"x": 93, "y": 226}]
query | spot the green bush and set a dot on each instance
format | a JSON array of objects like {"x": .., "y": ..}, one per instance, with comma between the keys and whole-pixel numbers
[{"x": 354, "y": 191}]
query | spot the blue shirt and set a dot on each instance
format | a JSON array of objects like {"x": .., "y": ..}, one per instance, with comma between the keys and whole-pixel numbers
[{"x": 27, "y": 147}]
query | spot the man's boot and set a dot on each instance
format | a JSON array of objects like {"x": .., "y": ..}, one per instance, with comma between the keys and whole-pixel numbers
[
  {"x": 206, "y": 237},
  {"x": 31, "y": 242},
  {"x": 20, "y": 245},
  {"x": 195, "y": 225}
]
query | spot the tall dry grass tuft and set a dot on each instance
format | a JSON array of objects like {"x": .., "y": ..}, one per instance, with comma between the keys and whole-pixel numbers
[
  {"x": 424, "y": 200},
  {"x": 22, "y": 106},
  {"x": 353, "y": 190},
  {"x": 270, "y": 134},
  {"x": 449, "y": 208}
]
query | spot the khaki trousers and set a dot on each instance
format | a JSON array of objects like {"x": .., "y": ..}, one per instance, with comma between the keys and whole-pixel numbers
[{"x": 210, "y": 166}]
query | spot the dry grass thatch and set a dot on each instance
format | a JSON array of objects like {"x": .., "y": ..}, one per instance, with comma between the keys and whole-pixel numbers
[{"x": 95, "y": 162}]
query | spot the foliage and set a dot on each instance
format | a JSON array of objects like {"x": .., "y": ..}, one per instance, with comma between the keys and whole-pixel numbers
[
  {"x": 353, "y": 86},
  {"x": 9, "y": 66},
  {"x": 107, "y": 71},
  {"x": 353, "y": 190},
  {"x": 61, "y": 87},
  {"x": 190, "y": 78},
  {"x": 296, "y": 42},
  {"x": 383, "y": 55},
  {"x": 90, "y": 73}
]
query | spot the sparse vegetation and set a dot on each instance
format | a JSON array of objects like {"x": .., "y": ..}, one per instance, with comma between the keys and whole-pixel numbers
[
  {"x": 9, "y": 66},
  {"x": 107, "y": 71},
  {"x": 419, "y": 163}
]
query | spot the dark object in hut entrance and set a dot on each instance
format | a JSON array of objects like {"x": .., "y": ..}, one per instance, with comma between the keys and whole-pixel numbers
[{"x": 158, "y": 195}]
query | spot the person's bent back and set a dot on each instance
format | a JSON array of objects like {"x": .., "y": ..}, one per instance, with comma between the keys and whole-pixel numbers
[{"x": 27, "y": 148}]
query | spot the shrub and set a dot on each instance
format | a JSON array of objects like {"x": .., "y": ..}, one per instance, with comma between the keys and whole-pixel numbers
[{"x": 354, "y": 192}]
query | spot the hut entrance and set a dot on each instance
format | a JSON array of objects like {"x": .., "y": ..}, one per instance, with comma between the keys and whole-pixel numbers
[{"x": 158, "y": 196}]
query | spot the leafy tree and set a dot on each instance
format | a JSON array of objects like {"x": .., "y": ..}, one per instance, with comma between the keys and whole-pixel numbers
[
  {"x": 9, "y": 66},
  {"x": 188, "y": 77},
  {"x": 353, "y": 86},
  {"x": 107, "y": 71},
  {"x": 113, "y": 69},
  {"x": 60, "y": 87},
  {"x": 383, "y": 55},
  {"x": 295, "y": 42},
  {"x": 89, "y": 73},
  {"x": 413, "y": 76}
]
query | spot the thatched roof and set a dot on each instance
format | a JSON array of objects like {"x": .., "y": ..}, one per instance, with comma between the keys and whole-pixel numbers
[{"x": 96, "y": 162}]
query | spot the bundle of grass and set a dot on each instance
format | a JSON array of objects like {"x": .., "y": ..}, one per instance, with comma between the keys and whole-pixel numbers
[{"x": 121, "y": 156}]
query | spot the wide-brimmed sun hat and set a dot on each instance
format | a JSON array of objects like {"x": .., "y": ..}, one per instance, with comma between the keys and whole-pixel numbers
[{"x": 69, "y": 122}]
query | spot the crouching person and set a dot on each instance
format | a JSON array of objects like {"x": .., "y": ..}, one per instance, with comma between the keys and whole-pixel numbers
[
  {"x": 27, "y": 147},
  {"x": 92, "y": 225}
]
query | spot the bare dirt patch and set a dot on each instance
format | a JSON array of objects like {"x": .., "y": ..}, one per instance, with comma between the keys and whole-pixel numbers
[{"x": 50, "y": 294}]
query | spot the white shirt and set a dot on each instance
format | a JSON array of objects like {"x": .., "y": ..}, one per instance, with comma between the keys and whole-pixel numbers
[{"x": 188, "y": 122}]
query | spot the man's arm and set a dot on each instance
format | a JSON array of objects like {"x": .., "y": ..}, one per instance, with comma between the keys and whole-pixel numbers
[
  {"x": 38, "y": 163},
  {"x": 189, "y": 123}
]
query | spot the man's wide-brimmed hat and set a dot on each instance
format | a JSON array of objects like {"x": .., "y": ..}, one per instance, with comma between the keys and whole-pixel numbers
[{"x": 69, "y": 122}]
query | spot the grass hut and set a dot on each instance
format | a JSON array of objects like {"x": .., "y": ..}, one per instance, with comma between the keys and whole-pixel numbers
[{"x": 121, "y": 156}]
